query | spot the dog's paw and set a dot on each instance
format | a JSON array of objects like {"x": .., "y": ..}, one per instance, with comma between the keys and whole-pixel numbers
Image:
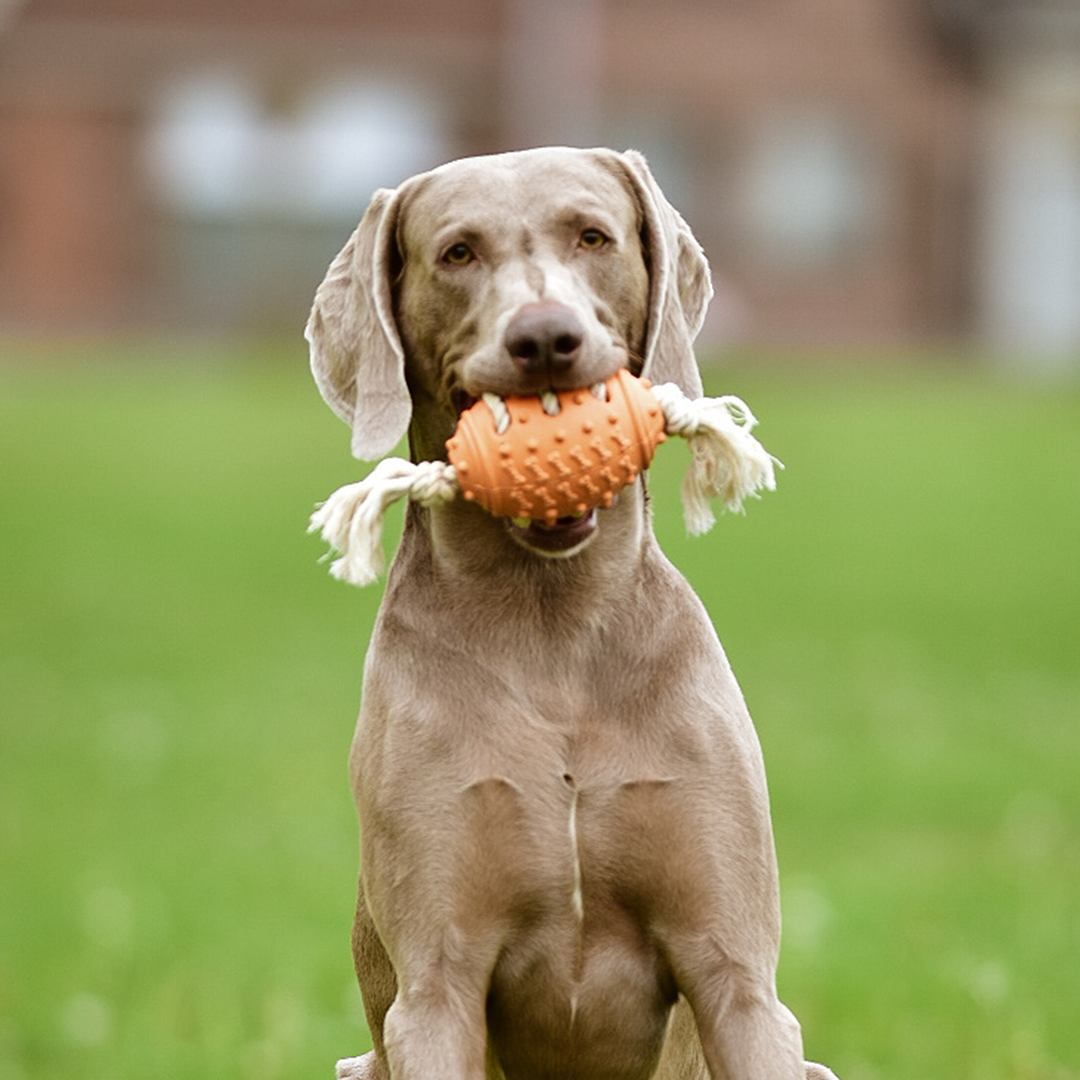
[
  {"x": 818, "y": 1072},
  {"x": 359, "y": 1068}
]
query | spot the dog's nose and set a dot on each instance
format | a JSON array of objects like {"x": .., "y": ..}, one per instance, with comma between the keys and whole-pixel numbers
[{"x": 544, "y": 337}]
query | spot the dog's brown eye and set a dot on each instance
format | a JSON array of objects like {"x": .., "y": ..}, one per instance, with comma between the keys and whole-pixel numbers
[
  {"x": 592, "y": 238},
  {"x": 458, "y": 255}
]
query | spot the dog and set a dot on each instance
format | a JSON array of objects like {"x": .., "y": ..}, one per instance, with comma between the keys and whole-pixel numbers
[{"x": 567, "y": 862}]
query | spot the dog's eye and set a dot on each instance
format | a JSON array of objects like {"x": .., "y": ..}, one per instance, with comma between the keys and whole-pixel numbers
[
  {"x": 458, "y": 255},
  {"x": 592, "y": 239}
]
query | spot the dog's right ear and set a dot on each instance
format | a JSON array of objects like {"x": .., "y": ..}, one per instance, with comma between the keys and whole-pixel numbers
[{"x": 356, "y": 353}]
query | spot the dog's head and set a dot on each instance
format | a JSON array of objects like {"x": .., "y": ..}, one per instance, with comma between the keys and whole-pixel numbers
[{"x": 511, "y": 274}]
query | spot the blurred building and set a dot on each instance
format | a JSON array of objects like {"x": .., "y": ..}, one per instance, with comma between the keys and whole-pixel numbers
[{"x": 858, "y": 170}]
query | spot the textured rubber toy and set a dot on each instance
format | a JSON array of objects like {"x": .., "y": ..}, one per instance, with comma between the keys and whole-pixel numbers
[{"x": 548, "y": 467}]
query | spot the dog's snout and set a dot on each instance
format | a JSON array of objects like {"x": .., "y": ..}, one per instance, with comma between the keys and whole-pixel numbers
[{"x": 544, "y": 337}]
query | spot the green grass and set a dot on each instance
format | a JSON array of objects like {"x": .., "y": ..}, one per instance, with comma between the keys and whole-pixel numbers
[{"x": 179, "y": 678}]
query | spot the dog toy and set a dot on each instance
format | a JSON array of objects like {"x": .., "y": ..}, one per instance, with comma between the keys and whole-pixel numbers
[{"x": 556, "y": 455}]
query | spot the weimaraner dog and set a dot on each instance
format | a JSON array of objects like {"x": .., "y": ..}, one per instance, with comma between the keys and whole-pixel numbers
[{"x": 567, "y": 864}]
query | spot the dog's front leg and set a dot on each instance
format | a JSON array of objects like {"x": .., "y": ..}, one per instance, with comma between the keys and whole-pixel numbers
[
  {"x": 444, "y": 928},
  {"x": 743, "y": 1027},
  {"x": 436, "y": 1028},
  {"x": 420, "y": 1026}
]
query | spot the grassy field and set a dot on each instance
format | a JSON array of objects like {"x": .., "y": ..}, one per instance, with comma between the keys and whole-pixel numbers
[{"x": 179, "y": 678}]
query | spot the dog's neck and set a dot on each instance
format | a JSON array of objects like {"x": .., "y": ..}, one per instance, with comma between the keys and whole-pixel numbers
[
  {"x": 579, "y": 623},
  {"x": 469, "y": 558}
]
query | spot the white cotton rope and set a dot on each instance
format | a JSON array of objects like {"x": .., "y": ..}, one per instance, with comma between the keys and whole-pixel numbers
[
  {"x": 727, "y": 463},
  {"x": 351, "y": 520}
]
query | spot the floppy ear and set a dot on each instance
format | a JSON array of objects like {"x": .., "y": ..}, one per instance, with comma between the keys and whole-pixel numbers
[
  {"x": 680, "y": 286},
  {"x": 356, "y": 353}
]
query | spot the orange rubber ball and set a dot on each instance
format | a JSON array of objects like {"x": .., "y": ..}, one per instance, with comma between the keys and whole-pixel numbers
[{"x": 546, "y": 467}]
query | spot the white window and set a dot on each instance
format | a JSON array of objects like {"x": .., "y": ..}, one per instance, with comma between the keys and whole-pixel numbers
[
  {"x": 1030, "y": 255},
  {"x": 813, "y": 191},
  {"x": 216, "y": 149}
]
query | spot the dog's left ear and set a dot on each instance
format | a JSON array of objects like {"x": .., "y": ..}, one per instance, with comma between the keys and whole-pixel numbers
[
  {"x": 680, "y": 286},
  {"x": 356, "y": 353}
]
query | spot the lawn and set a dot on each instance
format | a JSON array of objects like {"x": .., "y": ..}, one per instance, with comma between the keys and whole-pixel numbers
[{"x": 179, "y": 678}]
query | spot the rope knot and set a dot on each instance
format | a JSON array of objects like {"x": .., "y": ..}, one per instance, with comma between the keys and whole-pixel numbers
[
  {"x": 434, "y": 482},
  {"x": 351, "y": 520}
]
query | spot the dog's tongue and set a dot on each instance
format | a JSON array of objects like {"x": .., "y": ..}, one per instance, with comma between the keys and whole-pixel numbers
[{"x": 548, "y": 526}]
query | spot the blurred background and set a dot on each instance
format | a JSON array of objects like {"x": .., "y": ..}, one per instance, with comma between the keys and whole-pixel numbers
[
  {"x": 889, "y": 194},
  {"x": 894, "y": 171}
]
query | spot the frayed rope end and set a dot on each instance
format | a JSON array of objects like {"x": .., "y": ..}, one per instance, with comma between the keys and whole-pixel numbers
[
  {"x": 727, "y": 461},
  {"x": 351, "y": 520}
]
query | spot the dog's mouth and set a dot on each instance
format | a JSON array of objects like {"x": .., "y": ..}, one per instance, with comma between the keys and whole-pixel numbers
[
  {"x": 564, "y": 537},
  {"x": 461, "y": 400}
]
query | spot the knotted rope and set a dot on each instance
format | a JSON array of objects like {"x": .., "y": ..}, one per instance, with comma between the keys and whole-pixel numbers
[
  {"x": 727, "y": 463},
  {"x": 351, "y": 520}
]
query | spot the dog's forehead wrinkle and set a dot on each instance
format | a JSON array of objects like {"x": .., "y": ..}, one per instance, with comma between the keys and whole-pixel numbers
[{"x": 472, "y": 198}]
